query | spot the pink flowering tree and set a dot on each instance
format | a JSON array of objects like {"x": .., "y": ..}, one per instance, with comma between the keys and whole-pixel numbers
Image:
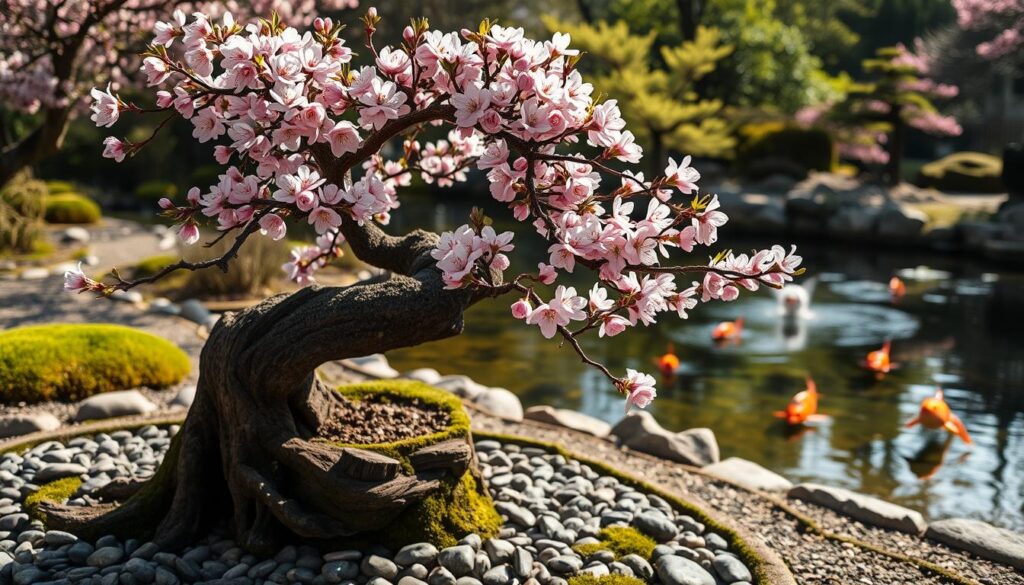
[
  {"x": 53, "y": 51},
  {"x": 1003, "y": 20},
  {"x": 302, "y": 131},
  {"x": 870, "y": 124}
]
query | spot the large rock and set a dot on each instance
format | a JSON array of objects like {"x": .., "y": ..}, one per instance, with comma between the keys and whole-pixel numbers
[
  {"x": 500, "y": 402},
  {"x": 461, "y": 386},
  {"x": 375, "y": 365},
  {"x": 569, "y": 419},
  {"x": 194, "y": 310},
  {"x": 981, "y": 539},
  {"x": 111, "y": 404},
  {"x": 867, "y": 509},
  {"x": 749, "y": 474},
  {"x": 640, "y": 431},
  {"x": 853, "y": 222},
  {"x": 184, "y": 397},
  {"x": 23, "y": 424},
  {"x": 75, "y": 235},
  {"x": 425, "y": 375},
  {"x": 900, "y": 222},
  {"x": 673, "y": 570}
]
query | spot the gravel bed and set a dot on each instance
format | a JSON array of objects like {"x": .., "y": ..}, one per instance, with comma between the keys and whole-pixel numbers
[
  {"x": 551, "y": 504},
  {"x": 812, "y": 559}
]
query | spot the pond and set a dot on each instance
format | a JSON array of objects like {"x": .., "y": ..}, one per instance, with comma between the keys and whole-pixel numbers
[{"x": 959, "y": 327}]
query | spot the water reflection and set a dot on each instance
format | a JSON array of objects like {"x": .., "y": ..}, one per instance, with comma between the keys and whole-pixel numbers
[{"x": 960, "y": 330}]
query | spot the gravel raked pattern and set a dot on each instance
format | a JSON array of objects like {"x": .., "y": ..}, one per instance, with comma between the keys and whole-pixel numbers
[{"x": 550, "y": 504}]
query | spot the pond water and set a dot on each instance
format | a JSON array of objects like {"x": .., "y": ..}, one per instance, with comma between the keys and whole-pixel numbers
[{"x": 958, "y": 327}]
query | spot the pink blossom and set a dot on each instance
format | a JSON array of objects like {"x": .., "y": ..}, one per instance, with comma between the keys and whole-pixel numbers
[
  {"x": 323, "y": 219},
  {"x": 343, "y": 138},
  {"x": 547, "y": 273},
  {"x": 273, "y": 226},
  {"x": 208, "y": 125},
  {"x": 682, "y": 176},
  {"x": 114, "y": 148},
  {"x": 106, "y": 107},
  {"x": 521, "y": 309},
  {"x": 639, "y": 389},
  {"x": 189, "y": 233},
  {"x": 76, "y": 281},
  {"x": 470, "y": 105}
]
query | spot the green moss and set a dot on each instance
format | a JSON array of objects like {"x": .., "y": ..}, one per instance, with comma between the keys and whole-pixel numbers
[
  {"x": 605, "y": 580},
  {"x": 56, "y": 491},
  {"x": 460, "y": 506},
  {"x": 71, "y": 362},
  {"x": 621, "y": 540},
  {"x": 152, "y": 265},
  {"x": 71, "y": 208}
]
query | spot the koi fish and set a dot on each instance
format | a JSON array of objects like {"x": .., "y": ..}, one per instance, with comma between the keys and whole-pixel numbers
[
  {"x": 897, "y": 288},
  {"x": 936, "y": 414},
  {"x": 728, "y": 330},
  {"x": 878, "y": 361},
  {"x": 803, "y": 407},
  {"x": 669, "y": 362}
]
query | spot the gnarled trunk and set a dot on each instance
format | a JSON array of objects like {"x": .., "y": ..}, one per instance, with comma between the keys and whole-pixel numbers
[{"x": 247, "y": 449}]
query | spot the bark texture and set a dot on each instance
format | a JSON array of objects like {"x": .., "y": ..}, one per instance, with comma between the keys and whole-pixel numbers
[{"x": 247, "y": 448}]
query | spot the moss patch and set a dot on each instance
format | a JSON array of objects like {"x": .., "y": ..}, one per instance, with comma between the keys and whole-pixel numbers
[
  {"x": 152, "y": 265},
  {"x": 621, "y": 540},
  {"x": 56, "y": 491},
  {"x": 605, "y": 580},
  {"x": 72, "y": 362},
  {"x": 458, "y": 507},
  {"x": 71, "y": 208}
]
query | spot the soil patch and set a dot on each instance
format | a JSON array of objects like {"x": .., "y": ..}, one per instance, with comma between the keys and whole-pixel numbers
[{"x": 371, "y": 421}]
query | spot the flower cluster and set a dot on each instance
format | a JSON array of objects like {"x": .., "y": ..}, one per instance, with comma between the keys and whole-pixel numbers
[
  {"x": 1004, "y": 19},
  {"x": 302, "y": 129}
]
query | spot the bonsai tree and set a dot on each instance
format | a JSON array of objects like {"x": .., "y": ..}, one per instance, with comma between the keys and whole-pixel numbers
[
  {"x": 303, "y": 133},
  {"x": 53, "y": 51},
  {"x": 659, "y": 100}
]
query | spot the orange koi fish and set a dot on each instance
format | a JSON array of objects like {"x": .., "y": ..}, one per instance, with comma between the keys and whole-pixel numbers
[
  {"x": 668, "y": 363},
  {"x": 878, "y": 360},
  {"x": 897, "y": 288},
  {"x": 803, "y": 407},
  {"x": 936, "y": 414},
  {"x": 728, "y": 330}
]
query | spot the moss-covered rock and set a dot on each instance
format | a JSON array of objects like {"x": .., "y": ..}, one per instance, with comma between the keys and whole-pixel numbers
[
  {"x": 604, "y": 580},
  {"x": 461, "y": 505},
  {"x": 71, "y": 362},
  {"x": 968, "y": 172},
  {"x": 621, "y": 540},
  {"x": 71, "y": 208},
  {"x": 58, "y": 491}
]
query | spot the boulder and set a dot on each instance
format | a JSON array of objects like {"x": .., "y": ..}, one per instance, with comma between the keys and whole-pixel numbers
[
  {"x": 640, "y": 431},
  {"x": 75, "y": 235},
  {"x": 111, "y": 404},
  {"x": 34, "y": 274},
  {"x": 900, "y": 222},
  {"x": 866, "y": 509},
  {"x": 425, "y": 375},
  {"x": 184, "y": 397},
  {"x": 375, "y": 365},
  {"x": 673, "y": 570},
  {"x": 500, "y": 402},
  {"x": 23, "y": 424},
  {"x": 981, "y": 539},
  {"x": 461, "y": 386},
  {"x": 749, "y": 475},
  {"x": 974, "y": 234},
  {"x": 569, "y": 419},
  {"x": 194, "y": 310},
  {"x": 853, "y": 222},
  {"x": 127, "y": 296}
]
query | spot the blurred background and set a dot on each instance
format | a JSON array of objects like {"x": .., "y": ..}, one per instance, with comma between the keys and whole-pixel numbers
[{"x": 881, "y": 136}]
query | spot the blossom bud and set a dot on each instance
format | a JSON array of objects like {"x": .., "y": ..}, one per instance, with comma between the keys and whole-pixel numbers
[
  {"x": 521, "y": 309},
  {"x": 165, "y": 203},
  {"x": 409, "y": 35}
]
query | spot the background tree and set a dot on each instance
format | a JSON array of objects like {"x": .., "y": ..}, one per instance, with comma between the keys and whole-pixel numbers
[
  {"x": 658, "y": 96},
  {"x": 1001, "y": 20},
  {"x": 53, "y": 51},
  {"x": 302, "y": 131}
]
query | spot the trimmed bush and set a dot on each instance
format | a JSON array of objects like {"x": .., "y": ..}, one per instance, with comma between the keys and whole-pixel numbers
[
  {"x": 71, "y": 208},
  {"x": 58, "y": 187},
  {"x": 969, "y": 172},
  {"x": 71, "y": 362},
  {"x": 21, "y": 214},
  {"x": 152, "y": 265},
  {"x": 154, "y": 190},
  {"x": 774, "y": 148}
]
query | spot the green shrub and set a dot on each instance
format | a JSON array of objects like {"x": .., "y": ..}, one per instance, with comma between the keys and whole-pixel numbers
[
  {"x": 969, "y": 172},
  {"x": 58, "y": 187},
  {"x": 71, "y": 362},
  {"x": 71, "y": 208},
  {"x": 621, "y": 540},
  {"x": 154, "y": 190},
  {"x": 21, "y": 215},
  {"x": 772, "y": 147},
  {"x": 152, "y": 265}
]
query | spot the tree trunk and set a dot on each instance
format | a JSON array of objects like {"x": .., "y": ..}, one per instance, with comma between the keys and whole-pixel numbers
[
  {"x": 247, "y": 450},
  {"x": 897, "y": 140},
  {"x": 657, "y": 153},
  {"x": 690, "y": 12}
]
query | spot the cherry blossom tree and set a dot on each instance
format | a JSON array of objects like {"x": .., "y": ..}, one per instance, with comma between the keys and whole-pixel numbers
[
  {"x": 1003, "y": 19},
  {"x": 302, "y": 130},
  {"x": 53, "y": 51}
]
